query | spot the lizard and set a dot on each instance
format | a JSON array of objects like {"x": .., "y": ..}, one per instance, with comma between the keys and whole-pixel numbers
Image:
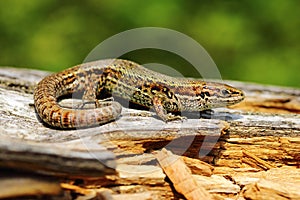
[{"x": 130, "y": 81}]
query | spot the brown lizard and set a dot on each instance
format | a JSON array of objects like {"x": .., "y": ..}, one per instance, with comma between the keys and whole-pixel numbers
[{"x": 130, "y": 81}]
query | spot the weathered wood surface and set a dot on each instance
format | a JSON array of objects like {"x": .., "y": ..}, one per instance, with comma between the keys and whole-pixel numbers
[{"x": 250, "y": 146}]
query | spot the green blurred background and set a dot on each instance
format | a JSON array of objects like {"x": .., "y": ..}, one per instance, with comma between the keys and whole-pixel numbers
[{"x": 255, "y": 40}]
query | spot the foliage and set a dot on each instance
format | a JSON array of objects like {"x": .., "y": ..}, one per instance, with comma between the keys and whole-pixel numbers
[{"x": 253, "y": 40}]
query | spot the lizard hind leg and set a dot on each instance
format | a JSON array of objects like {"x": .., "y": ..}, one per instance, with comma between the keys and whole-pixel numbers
[
  {"x": 89, "y": 97},
  {"x": 93, "y": 111},
  {"x": 89, "y": 100}
]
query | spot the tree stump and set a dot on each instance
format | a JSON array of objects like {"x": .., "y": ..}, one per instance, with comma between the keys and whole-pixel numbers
[{"x": 247, "y": 151}]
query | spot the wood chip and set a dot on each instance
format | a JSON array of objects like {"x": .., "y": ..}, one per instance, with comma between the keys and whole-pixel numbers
[{"x": 181, "y": 176}]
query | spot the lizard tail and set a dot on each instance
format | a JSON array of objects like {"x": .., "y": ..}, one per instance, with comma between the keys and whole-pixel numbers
[{"x": 46, "y": 104}]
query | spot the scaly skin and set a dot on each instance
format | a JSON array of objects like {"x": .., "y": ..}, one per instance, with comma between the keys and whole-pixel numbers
[{"x": 130, "y": 81}]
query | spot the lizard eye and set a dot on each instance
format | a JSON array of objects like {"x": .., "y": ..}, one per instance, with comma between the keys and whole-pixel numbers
[{"x": 225, "y": 92}]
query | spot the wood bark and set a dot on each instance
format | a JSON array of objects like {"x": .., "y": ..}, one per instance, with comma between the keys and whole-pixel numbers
[{"x": 248, "y": 151}]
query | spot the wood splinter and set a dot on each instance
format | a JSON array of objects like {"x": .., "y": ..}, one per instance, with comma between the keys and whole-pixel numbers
[{"x": 180, "y": 175}]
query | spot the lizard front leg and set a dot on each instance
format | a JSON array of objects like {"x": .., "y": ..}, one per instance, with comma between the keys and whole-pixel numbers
[{"x": 164, "y": 106}]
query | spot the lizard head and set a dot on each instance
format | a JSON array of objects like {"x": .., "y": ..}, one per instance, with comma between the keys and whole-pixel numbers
[
  {"x": 206, "y": 95},
  {"x": 220, "y": 95}
]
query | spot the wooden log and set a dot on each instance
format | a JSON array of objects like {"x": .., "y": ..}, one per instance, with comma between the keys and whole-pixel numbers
[{"x": 241, "y": 145}]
